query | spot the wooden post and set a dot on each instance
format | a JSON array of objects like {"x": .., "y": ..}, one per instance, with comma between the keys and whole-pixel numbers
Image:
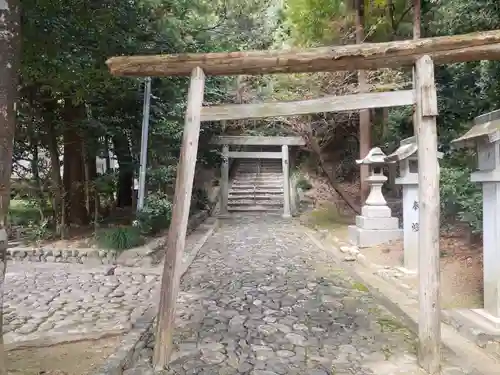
[
  {"x": 178, "y": 227},
  {"x": 224, "y": 180},
  {"x": 286, "y": 181},
  {"x": 429, "y": 326},
  {"x": 364, "y": 114}
]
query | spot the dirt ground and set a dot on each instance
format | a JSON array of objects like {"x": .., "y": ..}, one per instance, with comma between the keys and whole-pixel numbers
[
  {"x": 80, "y": 358},
  {"x": 461, "y": 269},
  {"x": 461, "y": 259}
]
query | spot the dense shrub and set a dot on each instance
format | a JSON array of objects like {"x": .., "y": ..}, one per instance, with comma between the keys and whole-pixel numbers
[
  {"x": 199, "y": 200},
  {"x": 155, "y": 215},
  {"x": 159, "y": 178},
  {"x": 303, "y": 184},
  {"x": 460, "y": 198},
  {"x": 119, "y": 238}
]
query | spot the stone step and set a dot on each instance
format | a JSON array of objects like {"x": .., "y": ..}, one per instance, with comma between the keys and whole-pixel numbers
[
  {"x": 256, "y": 187},
  {"x": 264, "y": 172},
  {"x": 256, "y": 167},
  {"x": 257, "y": 179},
  {"x": 256, "y": 191},
  {"x": 257, "y": 182},
  {"x": 256, "y": 196},
  {"x": 277, "y": 184},
  {"x": 252, "y": 202},
  {"x": 259, "y": 175},
  {"x": 255, "y": 208}
]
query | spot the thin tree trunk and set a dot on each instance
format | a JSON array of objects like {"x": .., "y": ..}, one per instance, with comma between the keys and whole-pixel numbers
[
  {"x": 90, "y": 173},
  {"x": 313, "y": 144},
  {"x": 126, "y": 171},
  {"x": 106, "y": 152},
  {"x": 35, "y": 170},
  {"x": 315, "y": 148},
  {"x": 74, "y": 174},
  {"x": 55, "y": 172},
  {"x": 364, "y": 115},
  {"x": 417, "y": 24},
  {"x": 9, "y": 64}
]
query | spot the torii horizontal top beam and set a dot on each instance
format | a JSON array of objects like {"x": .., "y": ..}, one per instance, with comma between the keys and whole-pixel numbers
[
  {"x": 245, "y": 140},
  {"x": 366, "y": 56}
]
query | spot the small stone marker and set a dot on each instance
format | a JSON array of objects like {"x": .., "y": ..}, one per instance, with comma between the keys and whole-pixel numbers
[{"x": 406, "y": 156}]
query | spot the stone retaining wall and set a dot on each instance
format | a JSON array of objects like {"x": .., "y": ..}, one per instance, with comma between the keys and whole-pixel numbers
[
  {"x": 86, "y": 256},
  {"x": 91, "y": 256}
]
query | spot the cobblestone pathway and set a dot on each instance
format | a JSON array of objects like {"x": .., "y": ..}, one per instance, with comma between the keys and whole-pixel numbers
[
  {"x": 261, "y": 299},
  {"x": 55, "y": 302}
]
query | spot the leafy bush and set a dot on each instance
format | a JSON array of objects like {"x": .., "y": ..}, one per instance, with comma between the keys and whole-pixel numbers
[
  {"x": 161, "y": 177},
  {"x": 38, "y": 231},
  {"x": 107, "y": 183},
  {"x": 24, "y": 213},
  {"x": 199, "y": 200},
  {"x": 119, "y": 238},
  {"x": 155, "y": 215},
  {"x": 460, "y": 198},
  {"x": 304, "y": 184}
]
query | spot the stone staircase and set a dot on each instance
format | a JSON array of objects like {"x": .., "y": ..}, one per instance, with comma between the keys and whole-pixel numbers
[{"x": 257, "y": 186}]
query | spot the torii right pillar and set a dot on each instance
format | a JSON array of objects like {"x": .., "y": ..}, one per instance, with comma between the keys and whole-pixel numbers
[{"x": 429, "y": 317}]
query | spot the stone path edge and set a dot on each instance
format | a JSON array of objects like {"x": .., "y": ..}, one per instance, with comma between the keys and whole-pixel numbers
[
  {"x": 63, "y": 338},
  {"x": 133, "y": 341},
  {"x": 124, "y": 356},
  {"x": 466, "y": 353}
]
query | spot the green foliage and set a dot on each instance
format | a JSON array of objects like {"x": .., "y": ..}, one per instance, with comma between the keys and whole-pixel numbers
[
  {"x": 327, "y": 21},
  {"x": 23, "y": 213},
  {"x": 119, "y": 238},
  {"x": 106, "y": 183},
  {"x": 199, "y": 200},
  {"x": 155, "y": 215},
  {"x": 304, "y": 184},
  {"x": 158, "y": 179},
  {"x": 38, "y": 231},
  {"x": 461, "y": 198}
]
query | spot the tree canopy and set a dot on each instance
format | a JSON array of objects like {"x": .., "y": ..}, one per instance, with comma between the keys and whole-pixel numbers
[{"x": 72, "y": 110}]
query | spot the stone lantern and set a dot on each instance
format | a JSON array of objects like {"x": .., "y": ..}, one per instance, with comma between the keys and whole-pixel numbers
[
  {"x": 375, "y": 225},
  {"x": 485, "y": 137}
]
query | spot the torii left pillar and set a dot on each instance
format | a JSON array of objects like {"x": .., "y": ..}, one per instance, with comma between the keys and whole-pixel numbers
[{"x": 285, "y": 161}]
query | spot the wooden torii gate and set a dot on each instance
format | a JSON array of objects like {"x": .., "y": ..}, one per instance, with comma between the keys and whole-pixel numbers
[
  {"x": 420, "y": 53},
  {"x": 283, "y": 142}
]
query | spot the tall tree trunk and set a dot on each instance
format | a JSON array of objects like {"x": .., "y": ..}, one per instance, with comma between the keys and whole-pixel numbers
[
  {"x": 417, "y": 24},
  {"x": 9, "y": 64},
  {"x": 106, "y": 152},
  {"x": 364, "y": 115},
  {"x": 126, "y": 171},
  {"x": 34, "y": 141},
  {"x": 55, "y": 173},
  {"x": 35, "y": 170},
  {"x": 90, "y": 156},
  {"x": 74, "y": 170}
]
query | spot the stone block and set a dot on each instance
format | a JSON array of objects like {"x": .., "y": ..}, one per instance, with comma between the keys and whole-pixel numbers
[
  {"x": 372, "y": 237},
  {"x": 377, "y": 222},
  {"x": 376, "y": 211}
]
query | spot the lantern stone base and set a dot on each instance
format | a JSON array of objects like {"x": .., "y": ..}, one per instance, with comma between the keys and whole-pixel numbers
[
  {"x": 384, "y": 223},
  {"x": 362, "y": 237},
  {"x": 374, "y": 226}
]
